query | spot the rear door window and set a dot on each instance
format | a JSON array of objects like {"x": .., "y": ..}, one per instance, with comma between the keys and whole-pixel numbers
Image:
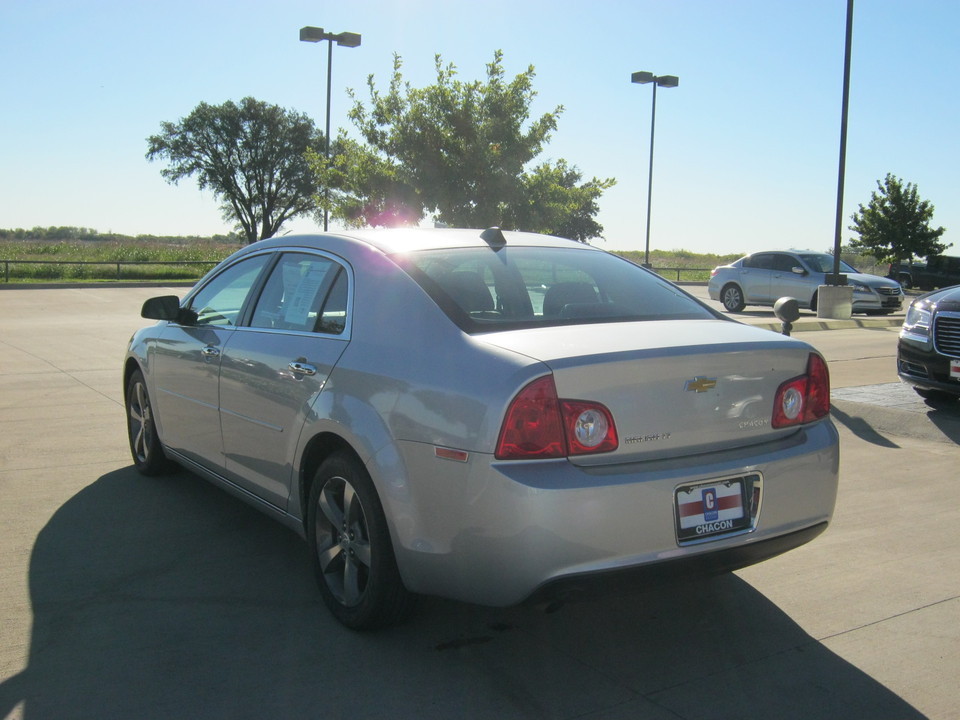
[{"x": 304, "y": 293}]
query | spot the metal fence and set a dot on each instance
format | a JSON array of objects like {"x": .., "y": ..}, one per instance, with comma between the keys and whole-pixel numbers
[{"x": 116, "y": 265}]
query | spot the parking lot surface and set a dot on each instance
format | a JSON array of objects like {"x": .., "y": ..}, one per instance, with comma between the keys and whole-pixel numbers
[{"x": 126, "y": 597}]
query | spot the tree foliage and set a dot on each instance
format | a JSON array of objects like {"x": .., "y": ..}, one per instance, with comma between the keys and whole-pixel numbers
[
  {"x": 895, "y": 224},
  {"x": 460, "y": 151},
  {"x": 251, "y": 155}
]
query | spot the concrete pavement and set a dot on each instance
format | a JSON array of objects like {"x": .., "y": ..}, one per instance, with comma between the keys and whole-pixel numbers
[{"x": 122, "y": 597}]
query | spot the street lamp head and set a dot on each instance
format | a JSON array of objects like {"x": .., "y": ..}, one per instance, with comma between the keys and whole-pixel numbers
[
  {"x": 313, "y": 34},
  {"x": 643, "y": 77},
  {"x": 348, "y": 39}
]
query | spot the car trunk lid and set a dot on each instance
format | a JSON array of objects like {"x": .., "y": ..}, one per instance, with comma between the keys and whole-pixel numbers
[{"x": 673, "y": 387}]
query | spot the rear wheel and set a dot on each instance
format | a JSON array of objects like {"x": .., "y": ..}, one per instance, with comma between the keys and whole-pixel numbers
[
  {"x": 351, "y": 551},
  {"x": 732, "y": 298},
  {"x": 145, "y": 445}
]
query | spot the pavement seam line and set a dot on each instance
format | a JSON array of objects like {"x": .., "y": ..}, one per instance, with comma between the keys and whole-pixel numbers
[{"x": 888, "y": 618}]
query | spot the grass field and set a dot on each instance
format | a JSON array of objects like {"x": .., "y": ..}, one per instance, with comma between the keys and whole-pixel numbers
[
  {"x": 167, "y": 259},
  {"x": 152, "y": 259},
  {"x": 110, "y": 260}
]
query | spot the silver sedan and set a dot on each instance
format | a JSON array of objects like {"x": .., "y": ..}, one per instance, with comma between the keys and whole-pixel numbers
[
  {"x": 764, "y": 277},
  {"x": 485, "y": 416}
]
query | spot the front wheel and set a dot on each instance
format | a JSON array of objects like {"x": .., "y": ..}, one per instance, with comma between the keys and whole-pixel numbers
[
  {"x": 145, "y": 445},
  {"x": 732, "y": 298},
  {"x": 351, "y": 551}
]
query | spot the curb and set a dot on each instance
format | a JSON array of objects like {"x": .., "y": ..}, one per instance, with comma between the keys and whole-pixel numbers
[{"x": 815, "y": 324}]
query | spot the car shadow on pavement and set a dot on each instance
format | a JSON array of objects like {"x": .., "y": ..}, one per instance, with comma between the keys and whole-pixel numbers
[
  {"x": 163, "y": 598},
  {"x": 861, "y": 428}
]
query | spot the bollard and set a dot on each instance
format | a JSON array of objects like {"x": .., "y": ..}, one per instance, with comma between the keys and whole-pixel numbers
[{"x": 787, "y": 309}]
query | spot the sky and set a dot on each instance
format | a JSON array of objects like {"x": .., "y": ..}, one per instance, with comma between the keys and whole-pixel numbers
[{"x": 746, "y": 150}]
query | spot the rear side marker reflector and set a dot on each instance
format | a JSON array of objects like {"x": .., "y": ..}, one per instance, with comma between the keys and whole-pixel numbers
[{"x": 448, "y": 454}]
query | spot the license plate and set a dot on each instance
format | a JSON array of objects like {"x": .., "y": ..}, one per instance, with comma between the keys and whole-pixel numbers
[
  {"x": 709, "y": 509},
  {"x": 955, "y": 369}
]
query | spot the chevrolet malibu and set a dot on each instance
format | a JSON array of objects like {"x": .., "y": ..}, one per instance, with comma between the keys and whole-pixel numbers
[{"x": 484, "y": 416}]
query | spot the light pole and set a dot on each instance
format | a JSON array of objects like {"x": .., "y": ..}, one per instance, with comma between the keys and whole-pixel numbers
[
  {"x": 667, "y": 81},
  {"x": 346, "y": 39}
]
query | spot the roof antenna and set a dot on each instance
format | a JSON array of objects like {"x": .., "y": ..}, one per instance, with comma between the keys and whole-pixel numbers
[{"x": 493, "y": 237}]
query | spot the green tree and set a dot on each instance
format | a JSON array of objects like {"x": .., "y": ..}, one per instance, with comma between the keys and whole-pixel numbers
[
  {"x": 895, "y": 225},
  {"x": 251, "y": 155},
  {"x": 461, "y": 152},
  {"x": 553, "y": 200},
  {"x": 365, "y": 189}
]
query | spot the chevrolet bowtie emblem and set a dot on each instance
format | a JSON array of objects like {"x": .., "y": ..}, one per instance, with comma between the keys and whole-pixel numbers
[{"x": 700, "y": 384}]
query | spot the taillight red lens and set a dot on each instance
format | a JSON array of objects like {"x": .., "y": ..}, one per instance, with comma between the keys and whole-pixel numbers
[
  {"x": 532, "y": 427},
  {"x": 538, "y": 425},
  {"x": 805, "y": 398}
]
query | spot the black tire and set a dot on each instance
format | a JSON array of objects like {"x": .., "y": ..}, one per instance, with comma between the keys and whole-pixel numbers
[
  {"x": 350, "y": 548},
  {"x": 732, "y": 298},
  {"x": 813, "y": 303},
  {"x": 145, "y": 447}
]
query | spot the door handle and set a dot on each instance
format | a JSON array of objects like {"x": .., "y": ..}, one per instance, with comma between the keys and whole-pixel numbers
[
  {"x": 302, "y": 368},
  {"x": 210, "y": 351}
]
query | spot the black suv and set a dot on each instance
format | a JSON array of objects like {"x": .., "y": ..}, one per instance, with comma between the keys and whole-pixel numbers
[{"x": 928, "y": 353}]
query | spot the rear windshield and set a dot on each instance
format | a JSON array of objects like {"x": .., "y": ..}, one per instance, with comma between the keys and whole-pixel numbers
[{"x": 484, "y": 290}]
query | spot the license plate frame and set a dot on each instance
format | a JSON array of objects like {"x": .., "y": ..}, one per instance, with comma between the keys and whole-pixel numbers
[{"x": 711, "y": 509}]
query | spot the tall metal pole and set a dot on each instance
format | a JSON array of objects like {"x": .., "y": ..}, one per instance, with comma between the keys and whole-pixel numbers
[
  {"x": 835, "y": 278},
  {"x": 345, "y": 39},
  {"x": 326, "y": 153},
  {"x": 653, "y": 125},
  {"x": 642, "y": 78}
]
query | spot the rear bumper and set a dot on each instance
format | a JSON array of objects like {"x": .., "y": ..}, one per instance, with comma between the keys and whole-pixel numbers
[
  {"x": 497, "y": 533},
  {"x": 637, "y": 578}
]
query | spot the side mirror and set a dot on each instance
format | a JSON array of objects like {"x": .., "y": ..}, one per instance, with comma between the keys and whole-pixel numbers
[
  {"x": 166, "y": 307},
  {"x": 797, "y": 270}
]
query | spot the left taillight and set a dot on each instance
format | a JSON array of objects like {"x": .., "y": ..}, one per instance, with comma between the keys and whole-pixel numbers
[
  {"x": 539, "y": 425},
  {"x": 803, "y": 399}
]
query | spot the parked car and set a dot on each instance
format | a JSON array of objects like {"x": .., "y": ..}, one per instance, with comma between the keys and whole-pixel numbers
[
  {"x": 762, "y": 278},
  {"x": 939, "y": 271},
  {"x": 928, "y": 352},
  {"x": 482, "y": 416}
]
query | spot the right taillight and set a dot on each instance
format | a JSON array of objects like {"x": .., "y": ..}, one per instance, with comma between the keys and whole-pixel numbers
[
  {"x": 805, "y": 398},
  {"x": 538, "y": 425}
]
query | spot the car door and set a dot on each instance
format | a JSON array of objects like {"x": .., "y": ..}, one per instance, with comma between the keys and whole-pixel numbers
[
  {"x": 786, "y": 282},
  {"x": 272, "y": 371},
  {"x": 185, "y": 363},
  {"x": 755, "y": 272}
]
